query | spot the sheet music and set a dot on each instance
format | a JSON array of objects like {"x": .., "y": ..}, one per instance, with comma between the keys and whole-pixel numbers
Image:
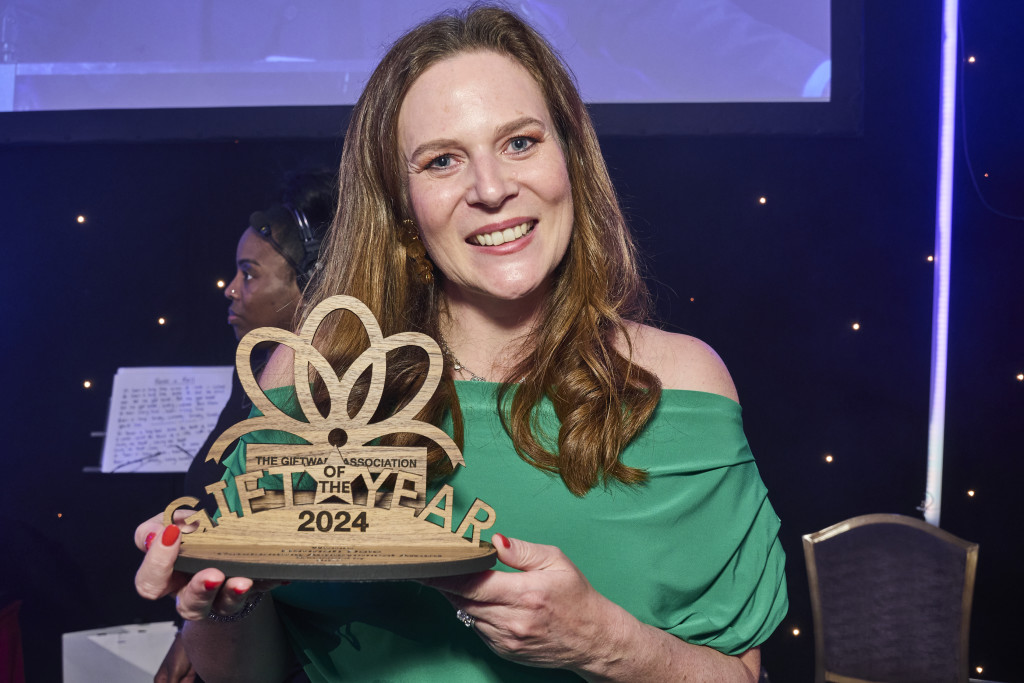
[{"x": 160, "y": 417}]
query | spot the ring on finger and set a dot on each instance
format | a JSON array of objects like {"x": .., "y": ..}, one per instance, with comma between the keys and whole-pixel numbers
[{"x": 467, "y": 619}]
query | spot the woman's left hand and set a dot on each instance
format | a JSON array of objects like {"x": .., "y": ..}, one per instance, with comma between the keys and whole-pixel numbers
[{"x": 546, "y": 615}]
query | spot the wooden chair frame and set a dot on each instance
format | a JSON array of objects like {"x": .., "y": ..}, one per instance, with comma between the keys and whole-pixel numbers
[{"x": 821, "y": 674}]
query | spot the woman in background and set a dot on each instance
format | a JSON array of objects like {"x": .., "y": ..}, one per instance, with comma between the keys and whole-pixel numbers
[{"x": 276, "y": 257}]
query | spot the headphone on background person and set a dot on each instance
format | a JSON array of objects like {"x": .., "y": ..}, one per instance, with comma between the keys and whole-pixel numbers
[
  {"x": 295, "y": 221},
  {"x": 310, "y": 247},
  {"x": 295, "y": 226}
]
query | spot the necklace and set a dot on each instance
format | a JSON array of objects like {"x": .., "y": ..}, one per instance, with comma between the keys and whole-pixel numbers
[{"x": 456, "y": 363}]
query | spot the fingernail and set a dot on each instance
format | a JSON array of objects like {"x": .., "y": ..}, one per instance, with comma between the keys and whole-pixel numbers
[
  {"x": 240, "y": 591},
  {"x": 170, "y": 535},
  {"x": 149, "y": 538},
  {"x": 504, "y": 540},
  {"x": 212, "y": 585}
]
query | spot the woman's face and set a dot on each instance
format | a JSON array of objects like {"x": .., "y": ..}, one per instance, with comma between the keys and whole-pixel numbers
[
  {"x": 263, "y": 292},
  {"x": 487, "y": 178}
]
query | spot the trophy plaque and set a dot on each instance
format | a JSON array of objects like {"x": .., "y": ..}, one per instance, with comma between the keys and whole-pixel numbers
[{"x": 368, "y": 517}]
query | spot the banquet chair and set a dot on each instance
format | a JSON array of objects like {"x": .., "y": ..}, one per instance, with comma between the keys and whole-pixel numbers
[{"x": 891, "y": 601}]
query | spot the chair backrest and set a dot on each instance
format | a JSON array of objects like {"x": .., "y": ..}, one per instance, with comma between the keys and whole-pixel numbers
[{"x": 891, "y": 598}]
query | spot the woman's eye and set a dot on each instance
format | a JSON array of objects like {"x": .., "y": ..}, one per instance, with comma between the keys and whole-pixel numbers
[
  {"x": 521, "y": 143},
  {"x": 246, "y": 275},
  {"x": 442, "y": 162}
]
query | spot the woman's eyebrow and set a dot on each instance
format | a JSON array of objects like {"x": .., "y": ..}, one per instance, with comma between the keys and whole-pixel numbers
[
  {"x": 518, "y": 124},
  {"x": 439, "y": 144}
]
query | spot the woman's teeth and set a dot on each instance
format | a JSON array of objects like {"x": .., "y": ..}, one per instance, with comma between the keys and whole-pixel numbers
[{"x": 493, "y": 239}]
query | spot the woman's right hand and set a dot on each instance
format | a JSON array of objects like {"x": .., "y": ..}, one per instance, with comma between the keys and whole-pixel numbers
[
  {"x": 253, "y": 648},
  {"x": 196, "y": 595}
]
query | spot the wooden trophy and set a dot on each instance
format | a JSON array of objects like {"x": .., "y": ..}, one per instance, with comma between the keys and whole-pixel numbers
[{"x": 367, "y": 518}]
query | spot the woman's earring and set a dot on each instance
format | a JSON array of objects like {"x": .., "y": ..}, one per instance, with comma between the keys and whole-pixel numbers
[{"x": 410, "y": 239}]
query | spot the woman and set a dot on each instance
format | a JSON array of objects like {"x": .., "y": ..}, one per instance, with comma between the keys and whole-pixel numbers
[
  {"x": 275, "y": 259},
  {"x": 278, "y": 253},
  {"x": 277, "y": 256},
  {"x": 479, "y": 210}
]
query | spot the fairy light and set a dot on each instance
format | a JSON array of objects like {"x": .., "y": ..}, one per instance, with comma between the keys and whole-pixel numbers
[
  {"x": 221, "y": 284},
  {"x": 931, "y": 259},
  {"x": 87, "y": 384},
  {"x": 856, "y": 326},
  {"x": 796, "y": 632},
  {"x": 1020, "y": 376},
  {"x": 161, "y": 321},
  {"x": 970, "y": 493},
  {"x": 828, "y": 457},
  {"x": 970, "y": 59},
  {"x": 80, "y": 218},
  {"x": 762, "y": 200}
]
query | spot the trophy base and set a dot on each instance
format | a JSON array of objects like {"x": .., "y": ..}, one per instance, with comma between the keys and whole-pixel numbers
[{"x": 337, "y": 563}]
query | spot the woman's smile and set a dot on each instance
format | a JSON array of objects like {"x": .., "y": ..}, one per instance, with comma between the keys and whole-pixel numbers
[{"x": 499, "y": 236}]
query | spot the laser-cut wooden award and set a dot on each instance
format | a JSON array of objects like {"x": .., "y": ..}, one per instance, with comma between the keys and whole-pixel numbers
[{"x": 368, "y": 518}]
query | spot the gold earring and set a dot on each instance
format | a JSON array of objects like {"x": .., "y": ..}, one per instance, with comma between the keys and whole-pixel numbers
[{"x": 410, "y": 239}]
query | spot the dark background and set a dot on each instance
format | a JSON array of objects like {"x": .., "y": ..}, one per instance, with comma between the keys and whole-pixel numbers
[{"x": 843, "y": 237}]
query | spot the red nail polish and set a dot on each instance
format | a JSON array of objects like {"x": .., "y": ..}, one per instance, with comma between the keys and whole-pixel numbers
[
  {"x": 170, "y": 535},
  {"x": 149, "y": 538},
  {"x": 504, "y": 540},
  {"x": 211, "y": 585},
  {"x": 240, "y": 591}
]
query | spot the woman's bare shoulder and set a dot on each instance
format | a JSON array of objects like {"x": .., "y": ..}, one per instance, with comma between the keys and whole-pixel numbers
[
  {"x": 680, "y": 361},
  {"x": 278, "y": 372}
]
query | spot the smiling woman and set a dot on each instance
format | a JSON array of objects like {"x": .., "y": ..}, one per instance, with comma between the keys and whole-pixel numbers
[{"x": 633, "y": 519}]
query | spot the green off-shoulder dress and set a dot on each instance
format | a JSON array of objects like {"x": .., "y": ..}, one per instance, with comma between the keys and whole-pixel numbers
[{"x": 693, "y": 551}]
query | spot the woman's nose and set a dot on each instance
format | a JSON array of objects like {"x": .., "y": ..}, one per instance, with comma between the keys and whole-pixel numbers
[
  {"x": 231, "y": 291},
  {"x": 492, "y": 182}
]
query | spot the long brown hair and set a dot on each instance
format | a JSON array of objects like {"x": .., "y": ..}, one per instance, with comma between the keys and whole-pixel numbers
[{"x": 601, "y": 398}]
